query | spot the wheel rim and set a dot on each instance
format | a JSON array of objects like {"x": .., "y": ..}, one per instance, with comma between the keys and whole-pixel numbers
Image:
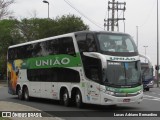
[
  {"x": 26, "y": 95},
  {"x": 65, "y": 97},
  {"x": 19, "y": 94},
  {"x": 77, "y": 98}
]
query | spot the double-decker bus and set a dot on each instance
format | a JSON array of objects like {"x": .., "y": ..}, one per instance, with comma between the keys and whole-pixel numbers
[{"x": 95, "y": 67}]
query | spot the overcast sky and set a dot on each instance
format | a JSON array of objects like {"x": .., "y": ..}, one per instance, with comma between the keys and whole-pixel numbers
[{"x": 140, "y": 13}]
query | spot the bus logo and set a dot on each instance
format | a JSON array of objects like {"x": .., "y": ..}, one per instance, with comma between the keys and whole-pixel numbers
[
  {"x": 122, "y": 58},
  {"x": 51, "y": 62}
]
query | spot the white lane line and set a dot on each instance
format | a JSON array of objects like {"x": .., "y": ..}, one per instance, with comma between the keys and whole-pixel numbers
[
  {"x": 151, "y": 96},
  {"x": 148, "y": 97}
]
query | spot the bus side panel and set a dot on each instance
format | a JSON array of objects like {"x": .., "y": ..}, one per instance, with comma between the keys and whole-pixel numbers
[{"x": 13, "y": 72}]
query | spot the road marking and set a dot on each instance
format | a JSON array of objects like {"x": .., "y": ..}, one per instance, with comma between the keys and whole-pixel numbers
[
  {"x": 151, "y": 96},
  {"x": 148, "y": 97},
  {"x": 152, "y": 99}
]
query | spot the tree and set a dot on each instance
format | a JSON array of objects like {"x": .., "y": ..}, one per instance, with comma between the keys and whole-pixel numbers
[
  {"x": 6, "y": 39},
  {"x": 69, "y": 23},
  {"x": 36, "y": 28},
  {"x": 4, "y": 5},
  {"x": 28, "y": 29}
]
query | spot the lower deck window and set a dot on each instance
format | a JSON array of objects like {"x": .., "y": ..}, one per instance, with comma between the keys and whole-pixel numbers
[{"x": 53, "y": 75}]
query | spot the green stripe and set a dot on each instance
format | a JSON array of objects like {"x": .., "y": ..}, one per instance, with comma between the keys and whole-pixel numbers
[
  {"x": 125, "y": 90},
  {"x": 52, "y": 61}
]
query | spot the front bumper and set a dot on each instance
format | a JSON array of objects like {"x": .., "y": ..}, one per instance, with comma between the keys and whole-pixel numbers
[{"x": 112, "y": 100}]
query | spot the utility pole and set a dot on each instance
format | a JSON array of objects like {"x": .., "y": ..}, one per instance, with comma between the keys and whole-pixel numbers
[
  {"x": 137, "y": 36},
  {"x": 113, "y": 21},
  {"x": 145, "y": 51},
  {"x": 157, "y": 47}
]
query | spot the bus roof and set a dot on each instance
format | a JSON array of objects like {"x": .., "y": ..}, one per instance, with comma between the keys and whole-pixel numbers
[
  {"x": 41, "y": 40},
  {"x": 100, "y": 32},
  {"x": 64, "y": 35}
]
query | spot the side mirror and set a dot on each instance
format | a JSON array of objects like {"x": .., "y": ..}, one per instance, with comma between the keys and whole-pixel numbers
[{"x": 157, "y": 67}]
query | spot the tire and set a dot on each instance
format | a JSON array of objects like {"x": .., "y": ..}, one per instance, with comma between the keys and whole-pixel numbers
[
  {"x": 78, "y": 99},
  {"x": 65, "y": 98},
  {"x": 147, "y": 89},
  {"x": 26, "y": 94},
  {"x": 20, "y": 95}
]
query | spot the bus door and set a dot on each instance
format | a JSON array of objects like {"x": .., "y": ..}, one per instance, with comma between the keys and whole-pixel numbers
[
  {"x": 92, "y": 68},
  {"x": 93, "y": 73},
  {"x": 93, "y": 92}
]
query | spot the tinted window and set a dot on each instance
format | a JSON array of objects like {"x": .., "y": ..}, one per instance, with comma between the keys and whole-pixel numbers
[
  {"x": 86, "y": 43},
  {"x": 91, "y": 44},
  {"x": 53, "y": 75},
  {"x": 67, "y": 46},
  {"x": 81, "y": 40},
  {"x": 116, "y": 43},
  {"x": 41, "y": 75},
  {"x": 51, "y": 47},
  {"x": 92, "y": 67}
]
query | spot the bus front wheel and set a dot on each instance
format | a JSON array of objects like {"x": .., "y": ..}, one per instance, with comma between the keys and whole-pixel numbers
[
  {"x": 65, "y": 98},
  {"x": 78, "y": 99}
]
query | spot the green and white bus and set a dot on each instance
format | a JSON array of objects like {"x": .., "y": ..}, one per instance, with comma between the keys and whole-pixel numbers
[{"x": 95, "y": 67}]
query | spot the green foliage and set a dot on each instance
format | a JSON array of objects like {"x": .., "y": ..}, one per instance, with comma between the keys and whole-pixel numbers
[
  {"x": 35, "y": 28},
  {"x": 15, "y": 31},
  {"x": 6, "y": 39},
  {"x": 69, "y": 23}
]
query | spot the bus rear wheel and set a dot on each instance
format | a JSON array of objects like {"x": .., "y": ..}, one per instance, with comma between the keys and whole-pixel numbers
[
  {"x": 26, "y": 94},
  {"x": 78, "y": 99},
  {"x": 20, "y": 95},
  {"x": 147, "y": 89}
]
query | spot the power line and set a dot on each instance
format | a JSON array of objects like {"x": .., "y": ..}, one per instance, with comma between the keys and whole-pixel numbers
[
  {"x": 82, "y": 14},
  {"x": 148, "y": 17}
]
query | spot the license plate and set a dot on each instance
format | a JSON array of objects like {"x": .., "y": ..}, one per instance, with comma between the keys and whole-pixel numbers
[{"x": 126, "y": 100}]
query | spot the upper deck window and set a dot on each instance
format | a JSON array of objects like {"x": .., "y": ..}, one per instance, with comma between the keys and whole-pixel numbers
[
  {"x": 63, "y": 45},
  {"x": 86, "y": 43},
  {"x": 116, "y": 43}
]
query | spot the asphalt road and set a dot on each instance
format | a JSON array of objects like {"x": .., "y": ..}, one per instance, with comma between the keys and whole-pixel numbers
[{"x": 150, "y": 103}]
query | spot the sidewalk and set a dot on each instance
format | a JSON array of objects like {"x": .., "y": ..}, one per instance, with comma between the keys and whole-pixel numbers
[{"x": 11, "y": 106}]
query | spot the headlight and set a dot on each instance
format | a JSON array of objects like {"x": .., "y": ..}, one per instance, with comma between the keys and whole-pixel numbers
[
  {"x": 151, "y": 82},
  {"x": 139, "y": 92},
  {"x": 110, "y": 93}
]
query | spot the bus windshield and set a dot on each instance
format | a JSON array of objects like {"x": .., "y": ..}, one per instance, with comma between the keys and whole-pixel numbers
[
  {"x": 120, "y": 74},
  {"x": 116, "y": 43}
]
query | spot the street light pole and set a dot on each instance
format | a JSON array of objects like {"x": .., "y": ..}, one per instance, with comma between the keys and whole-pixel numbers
[
  {"x": 137, "y": 36},
  {"x": 157, "y": 47},
  {"x": 48, "y": 6},
  {"x": 145, "y": 52}
]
